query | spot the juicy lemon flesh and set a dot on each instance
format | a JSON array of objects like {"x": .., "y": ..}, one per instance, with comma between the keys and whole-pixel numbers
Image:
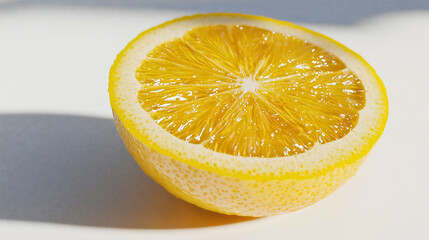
[
  {"x": 247, "y": 91},
  {"x": 206, "y": 86}
]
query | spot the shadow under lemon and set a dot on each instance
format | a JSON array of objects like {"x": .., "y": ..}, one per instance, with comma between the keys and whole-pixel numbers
[{"x": 75, "y": 170}]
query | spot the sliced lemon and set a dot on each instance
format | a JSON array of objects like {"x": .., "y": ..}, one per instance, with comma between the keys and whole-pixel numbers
[{"x": 245, "y": 115}]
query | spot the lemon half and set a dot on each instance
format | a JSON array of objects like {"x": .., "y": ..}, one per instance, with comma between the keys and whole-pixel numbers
[{"x": 245, "y": 115}]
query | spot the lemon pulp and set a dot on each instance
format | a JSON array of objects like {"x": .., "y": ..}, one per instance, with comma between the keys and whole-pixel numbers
[{"x": 248, "y": 91}]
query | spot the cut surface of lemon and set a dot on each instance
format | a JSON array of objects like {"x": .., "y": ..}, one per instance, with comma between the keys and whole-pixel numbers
[{"x": 245, "y": 115}]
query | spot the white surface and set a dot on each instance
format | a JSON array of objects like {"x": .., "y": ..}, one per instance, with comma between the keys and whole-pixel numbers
[{"x": 64, "y": 173}]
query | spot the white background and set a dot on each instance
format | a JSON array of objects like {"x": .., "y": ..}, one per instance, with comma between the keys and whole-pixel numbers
[{"x": 65, "y": 174}]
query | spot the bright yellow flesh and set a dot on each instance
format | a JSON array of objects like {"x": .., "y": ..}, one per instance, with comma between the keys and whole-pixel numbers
[{"x": 247, "y": 91}]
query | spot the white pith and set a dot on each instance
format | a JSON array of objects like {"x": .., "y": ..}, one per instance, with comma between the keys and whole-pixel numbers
[{"x": 249, "y": 84}]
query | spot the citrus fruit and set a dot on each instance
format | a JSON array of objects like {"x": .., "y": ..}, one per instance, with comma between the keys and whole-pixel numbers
[{"x": 245, "y": 115}]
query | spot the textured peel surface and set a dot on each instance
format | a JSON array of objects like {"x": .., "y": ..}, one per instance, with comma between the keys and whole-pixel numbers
[
  {"x": 247, "y": 91},
  {"x": 231, "y": 195}
]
